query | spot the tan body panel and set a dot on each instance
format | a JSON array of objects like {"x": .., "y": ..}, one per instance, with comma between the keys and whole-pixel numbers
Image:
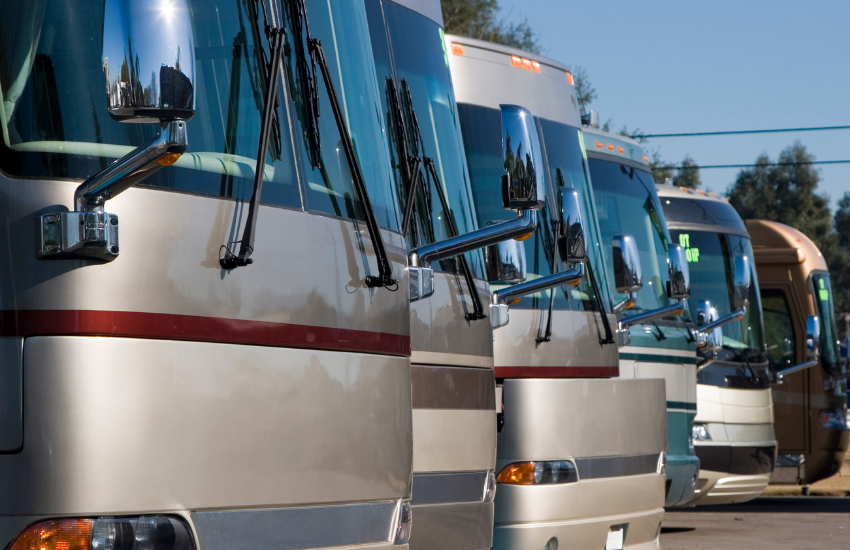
[{"x": 785, "y": 259}]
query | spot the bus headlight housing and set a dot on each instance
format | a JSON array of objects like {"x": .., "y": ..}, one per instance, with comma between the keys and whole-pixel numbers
[
  {"x": 538, "y": 473},
  {"x": 134, "y": 533},
  {"x": 700, "y": 432}
]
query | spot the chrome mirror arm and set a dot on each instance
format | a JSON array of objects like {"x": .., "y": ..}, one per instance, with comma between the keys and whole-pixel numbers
[
  {"x": 781, "y": 373},
  {"x": 625, "y": 304},
  {"x": 163, "y": 150},
  {"x": 499, "y": 299},
  {"x": 736, "y": 315},
  {"x": 673, "y": 309},
  {"x": 421, "y": 276}
]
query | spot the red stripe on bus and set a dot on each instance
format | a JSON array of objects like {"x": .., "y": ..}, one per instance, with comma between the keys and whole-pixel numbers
[
  {"x": 166, "y": 326},
  {"x": 557, "y": 372}
]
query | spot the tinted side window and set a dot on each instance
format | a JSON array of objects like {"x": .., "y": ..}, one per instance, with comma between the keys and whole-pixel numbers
[{"x": 779, "y": 329}]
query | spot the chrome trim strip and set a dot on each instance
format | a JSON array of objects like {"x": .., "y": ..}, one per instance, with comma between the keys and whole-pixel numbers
[
  {"x": 448, "y": 488},
  {"x": 617, "y": 466},
  {"x": 454, "y": 359},
  {"x": 293, "y": 528}
]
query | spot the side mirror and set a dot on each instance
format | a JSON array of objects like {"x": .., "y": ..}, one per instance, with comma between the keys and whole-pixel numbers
[
  {"x": 628, "y": 277},
  {"x": 571, "y": 241},
  {"x": 812, "y": 337},
  {"x": 523, "y": 187},
  {"x": 149, "y": 70},
  {"x": 713, "y": 339},
  {"x": 679, "y": 285},
  {"x": 506, "y": 262},
  {"x": 741, "y": 282}
]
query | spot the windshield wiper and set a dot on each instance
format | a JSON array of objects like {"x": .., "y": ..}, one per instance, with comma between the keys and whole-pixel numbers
[
  {"x": 308, "y": 76},
  {"x": 411, "y": 161},
  {"x": 276, "y": 34}
]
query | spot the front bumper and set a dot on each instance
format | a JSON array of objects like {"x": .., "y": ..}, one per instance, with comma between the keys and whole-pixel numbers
[
  {"x": 579, "y": 515},
  {"x": 724, "y": 488},
  {"x": 682, "y": 475}
]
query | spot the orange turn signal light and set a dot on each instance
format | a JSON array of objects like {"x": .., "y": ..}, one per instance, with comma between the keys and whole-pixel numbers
[
  {"x": 514, "y": 301},
  {"x": 570, "y": 79},
  {"x": 522, "y": 237},
  {"x": 521, "y": 473},
  {"x": 457, "y": 49},
  {"x": 60, "y": 534},
  {"x": 169, "y": 159}
]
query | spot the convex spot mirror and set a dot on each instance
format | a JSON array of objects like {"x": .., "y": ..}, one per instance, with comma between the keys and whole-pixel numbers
[
  {"x": 571, "y": 240},
  {"x": 628, "y": 277},
  {"x": 812, "y": 337},
  {"x": 506, "y": 262},
  {"x": 679, "y": 285},
  {"x": 149, "y": 60},
  {"x": 523, "y": 187},
  {"x": 741, "y": 282}
]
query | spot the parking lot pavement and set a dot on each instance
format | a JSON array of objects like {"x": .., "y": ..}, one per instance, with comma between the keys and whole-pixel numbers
[{"x": 798, "y": 523}]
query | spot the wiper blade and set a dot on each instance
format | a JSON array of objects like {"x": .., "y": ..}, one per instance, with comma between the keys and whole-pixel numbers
[
  {"x": 409, "y": 165},
  {"x": 309, "y": 78},
  {"x": 275, "y": 34},
  {"x": 409, "y": 155}
]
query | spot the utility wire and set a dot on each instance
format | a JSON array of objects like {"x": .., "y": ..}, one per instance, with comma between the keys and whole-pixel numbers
[
  {"x": 738, "y": 132},
  {"x": 672, "y": 167}
]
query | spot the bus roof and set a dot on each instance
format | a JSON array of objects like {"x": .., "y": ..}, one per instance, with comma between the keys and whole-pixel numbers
[
  {"x": 696, "y": 210},
  {"x": 777, "y": 243},
  {"x": 599, "y": 142},
  {"x": 490, "y": 75},
  {"x": 429, "y": 8}
]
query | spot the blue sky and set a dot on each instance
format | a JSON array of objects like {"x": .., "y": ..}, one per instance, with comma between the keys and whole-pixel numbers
[{"x": 683, "y": 66}]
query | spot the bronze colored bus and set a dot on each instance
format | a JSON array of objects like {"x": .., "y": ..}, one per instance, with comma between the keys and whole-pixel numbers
[{"x": 810, "y": 403}]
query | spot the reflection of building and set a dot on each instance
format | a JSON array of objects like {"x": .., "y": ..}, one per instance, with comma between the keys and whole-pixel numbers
[{"x": 175, "y": 89}]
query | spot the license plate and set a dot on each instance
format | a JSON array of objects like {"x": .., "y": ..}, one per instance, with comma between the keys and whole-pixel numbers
[{"x": 615, "y": 539}]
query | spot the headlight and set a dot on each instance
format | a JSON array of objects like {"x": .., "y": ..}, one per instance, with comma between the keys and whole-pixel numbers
[
  {"x": 538, "y": 473},
  {"x": 700, "y": 433},
  {"x": 139, "y": 533}
]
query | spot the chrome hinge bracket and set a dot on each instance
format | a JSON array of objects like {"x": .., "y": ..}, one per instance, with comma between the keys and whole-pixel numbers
[{"x": 78, "y": 235}]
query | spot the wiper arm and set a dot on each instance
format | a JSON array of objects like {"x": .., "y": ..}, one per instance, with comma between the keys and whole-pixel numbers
[
  {"x": 276, "y": 35},
  {"x": 413, "y": 162},
  {"x": 301, "y": 29}
]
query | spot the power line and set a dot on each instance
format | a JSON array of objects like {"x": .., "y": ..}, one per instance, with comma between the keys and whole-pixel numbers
[
  {"x": 738, "y": 132},
  {"x": 752, "y": 165}
]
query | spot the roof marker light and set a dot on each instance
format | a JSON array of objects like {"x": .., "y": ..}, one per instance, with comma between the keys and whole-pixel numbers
[
  {"x": 457, "y": 49},
  {"x": 570, "y": 79},
  {"x": 599, "y": 144},
  {"x": 526, "y": 64},
  {"x": 536, "y": 66},
  {"x": 516, "y": 61},
  {"x": 620, "y": 150},
  {"x": 645, "y": 158},
  {"x": 610, "y": 147}
]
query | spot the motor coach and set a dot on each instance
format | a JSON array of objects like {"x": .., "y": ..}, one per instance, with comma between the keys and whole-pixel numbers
[
  {"x": 660, "y": 342},
  {"x": 234, "y": 372},
  {"x": 810, "y": 403},
  {"x": 454, "y": 415},
  {"x": 580, "y": 452},
  {"x": 733, "y": 430}
]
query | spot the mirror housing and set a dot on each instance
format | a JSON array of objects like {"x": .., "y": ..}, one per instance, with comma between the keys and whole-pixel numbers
[
  {"x": 741, "y": 282},
  {"x": 571, "y": 240},
  {"x": 141, "y": 38},
  {"x": 506, "y": 262},
  {"x": 679, "y": 285},
  {"x": 523, "y": 187},
  {"x": 628, "y": 277}
]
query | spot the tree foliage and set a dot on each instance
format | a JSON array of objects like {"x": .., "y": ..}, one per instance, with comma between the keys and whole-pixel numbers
[
  {"x": 481, "y": 19},
  {"x": 788, "y": 194},
  {"x": 686, "y": 175}
]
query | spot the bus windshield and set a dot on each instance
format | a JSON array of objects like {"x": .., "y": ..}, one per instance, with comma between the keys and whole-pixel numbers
[
  {"x": 826, "y": 312},
  {"x": 627, "y": 203},
  {"x": 55, "y": 123},
  {"x": 564, "y": 155},
  {"x": 412, "y": 47},
  {"x": 710, "y": 259}
]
